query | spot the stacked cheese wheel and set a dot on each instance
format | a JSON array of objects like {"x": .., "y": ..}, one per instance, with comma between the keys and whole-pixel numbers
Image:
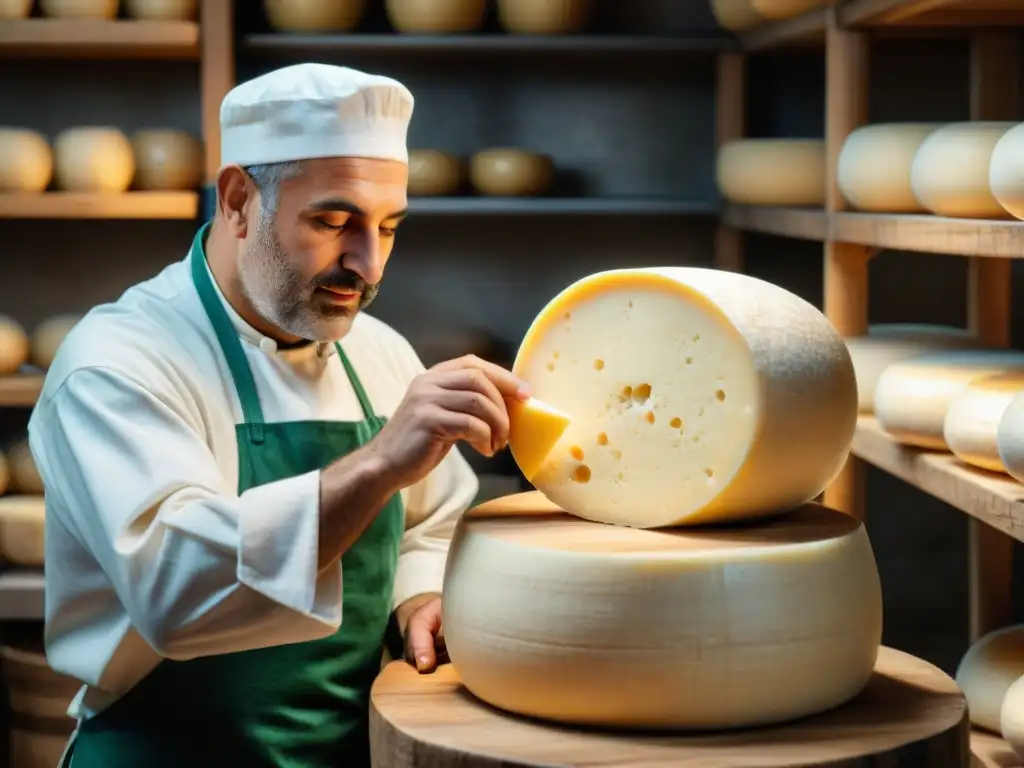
[
  {"x": 743, "y": 15},
  {"x": 666, "y": 403},
  {"x": 991, "y": 675}
]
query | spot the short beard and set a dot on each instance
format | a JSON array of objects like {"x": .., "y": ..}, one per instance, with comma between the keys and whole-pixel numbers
[{"x": 285, "y": 299}]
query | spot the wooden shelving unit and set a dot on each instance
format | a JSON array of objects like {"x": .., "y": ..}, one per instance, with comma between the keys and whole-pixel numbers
[
  {"x": 558, "y": 206},
  {"x": 74, "y": 205},
  {"x": 20, "y": 391},
  {"x": 94, "y": 39}
]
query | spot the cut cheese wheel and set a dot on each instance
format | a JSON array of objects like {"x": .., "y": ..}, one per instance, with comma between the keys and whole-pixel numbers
[
  {"x": 1011, "y": 717},
  {"x": 873, "y": 171},
  {"x": 950, "y": 172},
  {"x": 687, "y": 388},
  {"x": 24, "y": 475},
  {"x": 550, "y": 616},
  {"x": 971, "y": 428},
  {"x": 736, "y": 15},
  {"x": 93, "y": 160},
  {"x": 22, "y": 526},
  {"x": 889, "y": 343},
  {"x": 26, "y": 161},
  {"x": 1006, "y": 171},
  {"x": 14, "y": 346},
  {"x": 534, "y": 429},
  {"x": 785, "y": 9},
  {"x": 772, "y": 172},
  {"x": 913, "y": 396},
  {"x": 49, "y": 335},
  {"x": 986, "y": 672}
]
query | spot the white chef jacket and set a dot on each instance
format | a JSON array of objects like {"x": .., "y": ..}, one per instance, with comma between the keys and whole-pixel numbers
[{"x": 151, "y": 552}]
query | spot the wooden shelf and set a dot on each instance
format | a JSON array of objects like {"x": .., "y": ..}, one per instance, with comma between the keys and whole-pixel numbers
[
  {"x": 801, "y": 223},
  {"x": 22, "y": 594},
  {"x": 930, "y": 13},
  {"x": 990, "y": 751},
  {"x": 557, "y": 206},
  {"x": 288, "y": 43},
  {"x": 995, "y": 499},
  {"x": 78, "y": 205},
  {"x": 94, "y": 39},
  {"x": 20, "y": 391}
]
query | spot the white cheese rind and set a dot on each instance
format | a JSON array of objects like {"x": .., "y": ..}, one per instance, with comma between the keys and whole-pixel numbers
[
  {"x": 1006, "y": 171},
  {"x": 971, "y": 427},
  {"x": 772, "y": 172},
  {"x": 1011, "y": 717},
  {"x": 696, "y": 396},
  {"x": 913, "y": 396},
  {"x": 986, "y": 672},
  {"x": 1010, "y": 438},
  {"x": 873, "y": 171},
  {"x": 562, "y": 619}
]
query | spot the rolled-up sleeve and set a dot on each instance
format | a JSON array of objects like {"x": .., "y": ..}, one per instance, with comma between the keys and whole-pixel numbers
[{"x": 199, "y": 568}]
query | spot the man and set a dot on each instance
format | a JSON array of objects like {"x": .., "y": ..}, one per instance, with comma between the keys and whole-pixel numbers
[{"x": 236, "y": 502}]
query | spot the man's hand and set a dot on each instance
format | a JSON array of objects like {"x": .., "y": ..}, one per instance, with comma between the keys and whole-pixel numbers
[
  {"x": 461, "y": 399},
  {"x": 419, "y": 620}
]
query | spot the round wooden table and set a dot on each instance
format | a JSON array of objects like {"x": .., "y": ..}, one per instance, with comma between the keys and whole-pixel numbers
[{"x": 911, "y": 713}]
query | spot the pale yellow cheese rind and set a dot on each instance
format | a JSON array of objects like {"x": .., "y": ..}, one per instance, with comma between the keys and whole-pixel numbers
[
  {"x": 873, "y": 171},
  {"x": 971, "y": 427},
  {"x": 986, "y": 672},
  {"x": 534, "y": 429},
  {"x": 22, "y": 527},
  {"x": 1011, "y": 717},
  {"x": 772, "y": 172}
]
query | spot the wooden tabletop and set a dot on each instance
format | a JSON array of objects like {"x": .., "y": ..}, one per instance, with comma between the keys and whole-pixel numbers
[{"x": 910, "y": 713}]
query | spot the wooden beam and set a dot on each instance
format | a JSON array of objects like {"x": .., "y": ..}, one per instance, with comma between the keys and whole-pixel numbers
[
  {"x": 730, "y": 124},
  {"x": 217, "y": 66}
]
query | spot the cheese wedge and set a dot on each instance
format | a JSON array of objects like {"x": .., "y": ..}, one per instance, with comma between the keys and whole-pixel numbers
[{"x": 534, "y": 429}]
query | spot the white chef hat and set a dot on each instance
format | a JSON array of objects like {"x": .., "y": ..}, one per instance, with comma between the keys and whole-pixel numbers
[{"x": 314, "y": 110}]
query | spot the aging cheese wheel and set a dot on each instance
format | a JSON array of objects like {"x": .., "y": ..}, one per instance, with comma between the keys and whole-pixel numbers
[
  {"x": 1010, "y": 438},
  {"x": 24, "y": 475},
  {"x": 49, "y": 335},
  {"x": 14, "y": 346},
  {"x": 80, "y": 9},
  {"x": 161, "y": 10},
  {"x": 26, "y": 161},
  {"x": 785, "y": 9},
  {"x": 696, "y": 396},
  {"x": 1011, "y": 717},
  {"x": 1006, "y": 171},
  {"x": 950, "y": 172},
  {"x": 555, "y": 617},
  {"x": 913, "y": 396},
  {"x": 15, "y": 9},
  {"x": 432, "y": 17},
  {"x": 93, "y": 159},
  {"x": 314, "y": 15},
  {"x": 736, "y": 15},
  {"x": 986, "y": 672},
  {"x": 534, "y": 430},
  {"x": 971, "y": 428},
  {"x": 167, "y": 160},
  {"x": 22, "y": 526},
  {"x": 772, "y": 172},
  {"x": 433, "y": 173},
  {"x": 889, "y": 343},
  {"x": 544, "y": 17},
  {"x": 873, "y": 172},
  {"x": 510, "y": 172}
]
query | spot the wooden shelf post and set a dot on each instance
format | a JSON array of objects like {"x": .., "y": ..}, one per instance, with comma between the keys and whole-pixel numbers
[
  {"x": 846, "y": 265},
  {"x": 217, "y": 66},
  {"x": 994, "y": 64},
  {"x": 730, "y": 103}
]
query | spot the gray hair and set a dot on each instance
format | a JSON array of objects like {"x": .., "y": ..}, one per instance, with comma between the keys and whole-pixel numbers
[{"x": 268, "y": 178}]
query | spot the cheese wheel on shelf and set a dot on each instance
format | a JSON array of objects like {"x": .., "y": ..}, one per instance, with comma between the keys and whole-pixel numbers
[
  {"x": 24, "y": 475},
  {"x": 314, "y": 15},
  {"x": 544, "y": 17},
  {"x": 1010, "y": 438},
  {"x": 873, "y": 171},
  {"x": 793, "y": 630},
  {"x": 913, "y": 396},
  {"x": 49, "y": 335},
  {"x": 14, "y": 346},
  {"x": 93, "y": 159},
  {"x": 26, "y": 161},
  {"x": 783, "y": 172},
  {"x": 696, "y": 396},
  {"x": 786, "y": 9},
  {"x": 161, "y": 10},
  {"x": 433, "y": 173},
  {"x": 889, "y": 343},
  {"x": 1011, "y": 717},
  {"x": 950, "y": 172},
  {"x": 986, "y": 672},
  {"x": 534, "y": 430},
  {"x": 736, "y": 15},
  {"x": 511, "y": 172},
  {"x": 971, "y": 427},
  {"x": 1006, "y": 171},
  {"x": 80, "y": 9},
  {"x": 435, "y": 17},
  {"x": 166, "y": 159},
  {"x": 22, "y": 529},
  {"x": 15, "y": 9}
]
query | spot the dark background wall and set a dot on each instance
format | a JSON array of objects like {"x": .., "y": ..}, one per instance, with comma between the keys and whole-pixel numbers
[{"x": 621, "y": 126}]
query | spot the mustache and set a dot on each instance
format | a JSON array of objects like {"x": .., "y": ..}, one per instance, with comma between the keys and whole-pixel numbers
[{"x": 347, "y": 280}]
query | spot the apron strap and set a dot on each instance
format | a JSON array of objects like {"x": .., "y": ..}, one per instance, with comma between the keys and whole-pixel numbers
[
  {"x": 357, "y": 385},
  {"x": 245, "y": 385}
]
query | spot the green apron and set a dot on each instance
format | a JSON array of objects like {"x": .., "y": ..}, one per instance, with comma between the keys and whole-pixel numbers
[{"x": 303, "y": 705}]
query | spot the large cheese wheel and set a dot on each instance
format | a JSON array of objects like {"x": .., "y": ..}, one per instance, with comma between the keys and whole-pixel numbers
[
  {"x": 913, "y": 396},
  {"x": 161, "y": 10},
  {"x": 772, "y": 172},
  {"x": 432, "y": 17},
  {"x": 167, "y": 160},
  {"x": 433, "y": 173},
  {"x": 544, "y": 17},
  {"x": 736, "y": 15},
  {"x": 1006, "y": 171},
  {"x": 510, "y": 172},
  {"x": 14, "y": 346},
  {"x": 950, "y": 172},
  {"x": 314, "y": 15},
  {"x": 555, "y": 617},
  {"x": 696, "y": 396},
  {"x": 889, "y": 343},
  {"x": 49, "y": 335},
  {"x": 785, "y": 9},
  {"x": 873, "y": 172},
  {"x": 26, "y": 161},
  {"x": 22, "y": 529},
  {"x": 971, "y": 427},
  {"x": 1010, "y": 438},
  {"x": 24, "y": 475},
  {"x": 986, "y": 672},
  {"x": 93, "y": 159},
  {"x": 15, "y": 9},
  {"x": 80, "y": 9},
  {"x": 1011, "y": 717}
]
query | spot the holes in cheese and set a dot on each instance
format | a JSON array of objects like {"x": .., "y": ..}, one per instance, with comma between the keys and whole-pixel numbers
[
  {"x": 534, "y": 428},
  {"x": 889, "y": 343},
  {"x": 913, "y": 396},
  {"x": 986, "y": 672},
  {"x": 873, "y": 170},
  {"x": 708, "y": 378},
  {"x": 772, "y": 171},
  {"x": 971, "y": 427},
  {"x": 1011, "y": 717},
  {"x": 22, "y": 524},
  {"x": 555, "y": 617}
]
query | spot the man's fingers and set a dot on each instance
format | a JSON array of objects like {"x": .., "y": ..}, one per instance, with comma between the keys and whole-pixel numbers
[
  {"x": 419, "y": 637},
  {"x": 506, "y": 382},
  {"x": 455, "y": 425},
  {"x": 481, "y": 407}
]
